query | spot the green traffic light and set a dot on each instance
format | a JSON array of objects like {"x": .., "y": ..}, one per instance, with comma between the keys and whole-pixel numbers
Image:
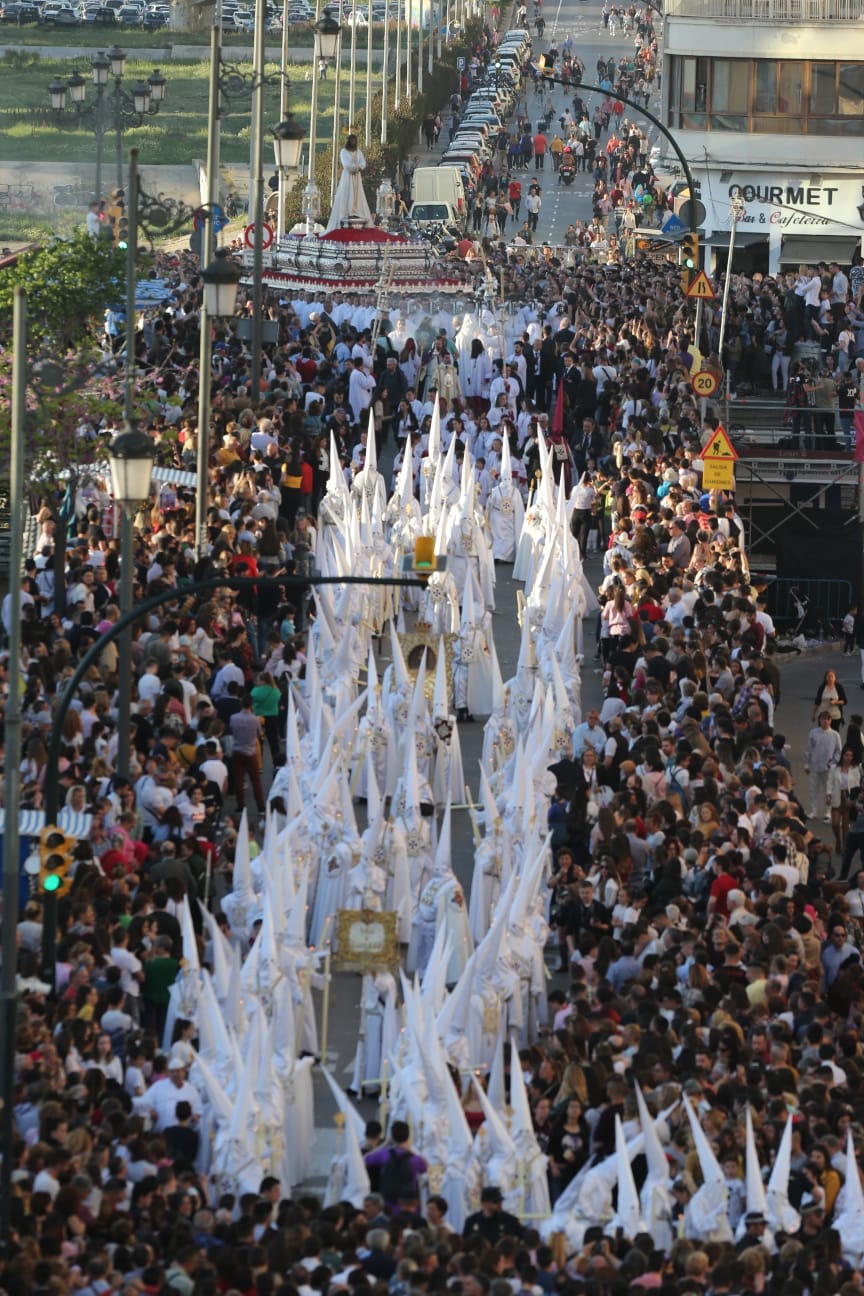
[
  {"x": 52, "y": 883},
  {"x": 122, "y": 244}
]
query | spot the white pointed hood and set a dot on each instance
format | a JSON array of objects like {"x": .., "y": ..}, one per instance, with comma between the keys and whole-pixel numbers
[
  {"x": 441, "y": 696},
  {"x": 405, "y": 481},
  {"x": 468, "y": 618},
  {"x": 780, "y": 1213},
  {"x": 371, "y": 464},
  {"x": 497, "y": 1136},
  {"x": 220, "y": 953},
  {"x": 506, "y": 474},
  {"x": 756, "y": 1200},
  {"x": 216, "y": 1096},
  {"x": 292, "y": 735},
  {"x": 190, "y": 941},
  {"x": 497, "y": 1088},
  {"x": 400, "y": 670},
  {"x": 441, "y": 534},
  {"x": 410, "y": 774},
  {"x": 712, "y": 1171},
  {"x": 850, "y": 1223},
  {"x": 214, "y": 1043},
  {"x": 232, "y": 1008},
  {"x": 419, "y": 705},
  {"x": 658, "y": 1166},
  {"x": 283, "y": 1031},
  {"x": 497, "y": 678},
  {"x": 345, "y": 1105},
  {"x": 372, "y": 685},
  {"x": 444, "y": 849},
  {"x": 706, "y": 1216},
  {"x": 295, "y": 930},
  {"x": 628, "y": 1215},
  {"x": 434, "y": 442},
  {"x": 434, "y": 989},
  {"x": 336, "y": 483},
  {"x": 490, "y": 810}
]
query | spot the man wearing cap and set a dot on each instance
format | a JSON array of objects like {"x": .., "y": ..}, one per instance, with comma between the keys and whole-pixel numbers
[
  {"x": 492, "y": 1222},
  {"x": 162, "y": 1097}
]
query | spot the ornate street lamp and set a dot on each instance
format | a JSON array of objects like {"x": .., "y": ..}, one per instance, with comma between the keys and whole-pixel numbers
[
  {"x": 57, "y": 93},
  {"x": 158, "y": 85},
  {"x": 131, "y": 455},
  {"x": 220, "y": 279}
]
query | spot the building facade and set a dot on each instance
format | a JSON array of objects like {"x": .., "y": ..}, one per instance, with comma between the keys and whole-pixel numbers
[{"x": 766, "y": 99}]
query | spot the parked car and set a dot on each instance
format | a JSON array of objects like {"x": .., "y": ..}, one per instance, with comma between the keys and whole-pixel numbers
[
  {"x": 21, "y": 13},
  {"x": 59, "y": 18}
]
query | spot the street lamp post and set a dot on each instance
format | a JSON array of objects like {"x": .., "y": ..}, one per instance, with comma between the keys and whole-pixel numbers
[
  {"x": 326, "y": 31},
  {"x": 337, "y": 115},
  {"x": 288, "y": 139},
  {"x": 12, "y": 771},
  {"x": 352, "y": 84},
  {"x": 131, "y": 456},
  {"x": 397, "y": 89},
  {"x": 384, "y": 71},
  {"x": 109, "y": 112},
  {"x": 257, "y": 196},
  {"x": 368, "y": 138},
  {"x": 220, "y": 278}
]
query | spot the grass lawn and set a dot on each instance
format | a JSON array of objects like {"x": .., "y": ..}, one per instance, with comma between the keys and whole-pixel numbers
[
  {"x": 130, "y": 38},
  {"x": 174, "y": 136}
]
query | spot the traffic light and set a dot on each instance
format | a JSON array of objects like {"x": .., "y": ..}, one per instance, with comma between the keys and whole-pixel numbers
[
  {"x": 424, "y": 561},
  {"x": 56, "y": 852},
  {"x": 690, "y": 252},
  {"x": 117, "y": 223}
]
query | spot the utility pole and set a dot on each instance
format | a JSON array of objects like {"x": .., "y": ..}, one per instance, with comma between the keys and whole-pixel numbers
[
  {"x": 12, "y": 764},
  {"x": 258, "y": 199},
  {"x": 127, "y": 541},
  {"x": 205, "y": 368}
]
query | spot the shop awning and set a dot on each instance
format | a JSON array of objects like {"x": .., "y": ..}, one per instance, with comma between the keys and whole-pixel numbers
[
  {"x": 799, "y": 248},
  {"x": 743, "y": 238}
]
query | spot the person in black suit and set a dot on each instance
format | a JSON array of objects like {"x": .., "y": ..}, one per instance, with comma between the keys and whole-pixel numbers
[{"x": 547, "y": 370}]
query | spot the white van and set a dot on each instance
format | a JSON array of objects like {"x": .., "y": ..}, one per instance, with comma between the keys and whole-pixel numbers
[
  {"x": 439, "y": 185},
  {"x": 437, "y": 213}
]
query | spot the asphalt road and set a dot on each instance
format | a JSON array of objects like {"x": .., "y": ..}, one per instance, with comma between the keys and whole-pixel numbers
[{"x": 801, "y": 675}]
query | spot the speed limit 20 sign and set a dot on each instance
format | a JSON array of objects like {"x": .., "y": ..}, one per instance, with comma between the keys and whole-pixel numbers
[{"x": 704, "y": 383}]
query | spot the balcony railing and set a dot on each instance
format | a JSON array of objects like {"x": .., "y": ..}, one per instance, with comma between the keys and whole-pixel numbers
[{"x": 769, "y": 11}]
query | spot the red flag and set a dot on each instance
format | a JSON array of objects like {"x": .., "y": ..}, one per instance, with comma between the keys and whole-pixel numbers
[
  {"x": 859, "y": 436},
  {"x": 558, "y": 412}
]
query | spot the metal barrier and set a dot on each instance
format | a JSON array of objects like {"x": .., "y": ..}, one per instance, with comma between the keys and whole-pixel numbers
[
  {"x": 827, "y": 602},
  {"x": 774, "y": 11}
]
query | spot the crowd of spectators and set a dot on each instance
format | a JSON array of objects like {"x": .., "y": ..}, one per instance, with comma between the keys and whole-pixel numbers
[{"x": 704, "y": 940}]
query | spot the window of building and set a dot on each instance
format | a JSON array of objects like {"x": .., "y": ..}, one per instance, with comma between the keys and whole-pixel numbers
[{"x": 765, "y": 95}]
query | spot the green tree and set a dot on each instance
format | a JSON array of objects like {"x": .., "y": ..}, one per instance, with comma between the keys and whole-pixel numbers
[{"x": 69, "y": 283}]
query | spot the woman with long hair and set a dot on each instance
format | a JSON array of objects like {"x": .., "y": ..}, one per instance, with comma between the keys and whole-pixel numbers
[
  {"x": 615, "y": 619},
  {"x": 567, "y": 1148}
]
